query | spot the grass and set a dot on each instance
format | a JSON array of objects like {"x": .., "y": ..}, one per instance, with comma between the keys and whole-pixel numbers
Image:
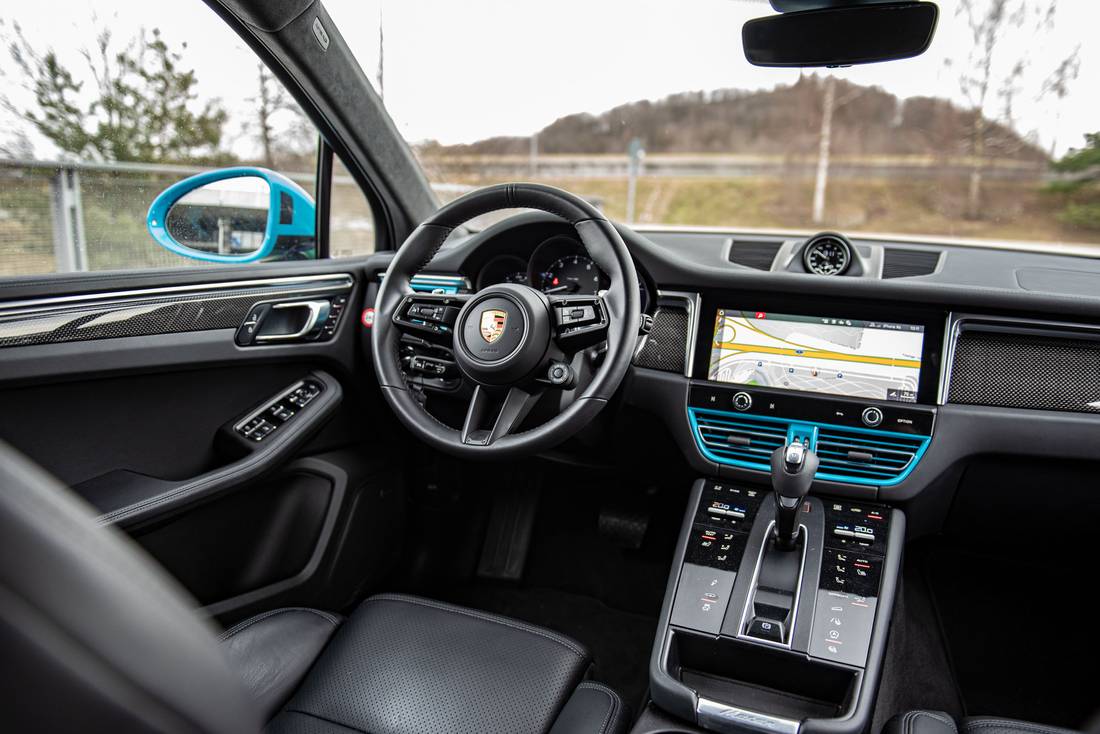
[{"x": 1011, "y": 211}]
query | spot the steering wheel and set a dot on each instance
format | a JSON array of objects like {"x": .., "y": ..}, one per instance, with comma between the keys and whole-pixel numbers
[{"x": 512, "y": 341}]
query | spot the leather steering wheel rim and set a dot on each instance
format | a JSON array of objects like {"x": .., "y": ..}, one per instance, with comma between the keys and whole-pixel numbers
[{"x": 621, "y": 301}]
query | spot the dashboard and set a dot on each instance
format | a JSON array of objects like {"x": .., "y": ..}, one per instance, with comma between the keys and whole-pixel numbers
[{"x": 897, "y": 360}]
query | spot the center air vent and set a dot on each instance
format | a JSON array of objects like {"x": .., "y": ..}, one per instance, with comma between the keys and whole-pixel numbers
[
  {"x": 849, "y": 455},
  {"x": 880, "y": 458},
  {"x": 747, "y": 440}
]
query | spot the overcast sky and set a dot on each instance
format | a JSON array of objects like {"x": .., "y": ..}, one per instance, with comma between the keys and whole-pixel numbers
[{"x": 460, "y": 70}]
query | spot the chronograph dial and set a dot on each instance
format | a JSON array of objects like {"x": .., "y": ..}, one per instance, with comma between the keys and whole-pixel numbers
[{"x": 827, "y": 255}]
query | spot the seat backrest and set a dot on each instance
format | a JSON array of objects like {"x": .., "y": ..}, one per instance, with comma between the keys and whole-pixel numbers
[{"x": 93, "y": 635}]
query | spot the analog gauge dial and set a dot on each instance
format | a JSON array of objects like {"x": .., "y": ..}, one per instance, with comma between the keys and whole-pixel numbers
[
  {"x": 502, "y": 269},
  {"x": 571, "y": 274},
  {"x": 827, "y": 256}
]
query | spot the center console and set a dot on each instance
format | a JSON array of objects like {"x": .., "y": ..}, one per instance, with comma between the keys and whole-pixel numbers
[
  {"x": 777, "y": 609},
  {"x": 757, "y": 638}
]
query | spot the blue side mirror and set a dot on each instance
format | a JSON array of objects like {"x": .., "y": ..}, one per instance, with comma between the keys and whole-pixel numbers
[{"x": 234, "y": 215}]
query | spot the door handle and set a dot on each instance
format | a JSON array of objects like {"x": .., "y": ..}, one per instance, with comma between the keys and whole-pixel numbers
[{"x": 316, "y": 314}]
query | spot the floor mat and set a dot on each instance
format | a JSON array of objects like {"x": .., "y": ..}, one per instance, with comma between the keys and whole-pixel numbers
[
  {"x": 1016, "y": 635},
  {"x": 619, "y": 641}
]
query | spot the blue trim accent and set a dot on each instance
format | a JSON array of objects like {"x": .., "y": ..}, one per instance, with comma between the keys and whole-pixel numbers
[
  {"x": 302, "y": 224},
  {"x": 917, "y": 445}
]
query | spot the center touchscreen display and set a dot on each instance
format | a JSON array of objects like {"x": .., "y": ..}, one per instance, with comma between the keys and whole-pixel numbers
[{"x": 865, "y": 359}]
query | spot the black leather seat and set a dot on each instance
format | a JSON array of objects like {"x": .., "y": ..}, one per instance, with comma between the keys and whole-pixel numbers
[
  {"x": 937, "y": 722},
  {"x": 405, "y": 664},
  {"x": 96, "y": 638}
]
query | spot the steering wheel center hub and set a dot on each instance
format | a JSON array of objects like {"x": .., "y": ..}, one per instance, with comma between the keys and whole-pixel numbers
[{"x": 503, "y": 334}]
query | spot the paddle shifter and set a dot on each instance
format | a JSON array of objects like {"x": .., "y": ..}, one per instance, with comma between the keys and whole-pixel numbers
[{"x": 793, "y": 469}]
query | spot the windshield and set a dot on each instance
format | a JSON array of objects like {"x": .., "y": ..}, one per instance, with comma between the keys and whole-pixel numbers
[{"x": 651, "y": 110}]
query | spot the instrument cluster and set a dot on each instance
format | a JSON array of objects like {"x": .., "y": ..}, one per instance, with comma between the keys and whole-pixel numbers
[{"x": 559, "y": 265}]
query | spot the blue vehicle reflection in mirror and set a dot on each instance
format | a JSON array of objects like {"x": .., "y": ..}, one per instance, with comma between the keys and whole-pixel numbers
[{"x": 235, "y": 215}]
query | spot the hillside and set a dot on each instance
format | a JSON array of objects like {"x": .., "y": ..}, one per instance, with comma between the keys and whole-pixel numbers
[{"x": 783, "y": 120}]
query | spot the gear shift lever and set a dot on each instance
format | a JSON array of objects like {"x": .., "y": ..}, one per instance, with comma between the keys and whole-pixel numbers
[{"x": 793, "y": 469}]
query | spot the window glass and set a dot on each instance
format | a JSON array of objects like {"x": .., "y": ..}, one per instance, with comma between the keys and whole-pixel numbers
[
  {"x": 105, "y": 105},
  {"x": 351, "y": 222},
  {"x": 649, "y": 108}
]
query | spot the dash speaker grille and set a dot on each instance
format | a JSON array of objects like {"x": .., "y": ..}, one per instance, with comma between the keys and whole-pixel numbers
[
  {"x": 1013, "y": 370},
  {"x": 666, "y": 346}
]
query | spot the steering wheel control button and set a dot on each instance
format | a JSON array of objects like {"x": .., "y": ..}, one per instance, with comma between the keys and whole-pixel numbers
[
  {"x": 742, "y": 401},
  {"x": 568, "y": 315},
  {"x": 560, "y": 375},
  {"x": 872, "y": 417}
]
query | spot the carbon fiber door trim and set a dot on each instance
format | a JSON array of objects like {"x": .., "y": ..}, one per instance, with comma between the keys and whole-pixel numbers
[{"x": 150, "y": 311}]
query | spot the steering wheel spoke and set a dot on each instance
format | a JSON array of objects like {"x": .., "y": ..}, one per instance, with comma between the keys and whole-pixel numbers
[
  {"x": 429, "y": 314},
  {"x": 481, "y": 428},
  {"x": 578, "y": 321}
]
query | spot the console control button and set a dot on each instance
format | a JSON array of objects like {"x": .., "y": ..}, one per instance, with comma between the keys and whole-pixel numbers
[
  {"x": 842, "y": 627},
  {"x": 742, "y": 400},
  {"x": 766, "y": 629},
  {"x": 716, "y": 547},
  {"x": 702, "y": 598},
  {"x": 872, "y": 417}
]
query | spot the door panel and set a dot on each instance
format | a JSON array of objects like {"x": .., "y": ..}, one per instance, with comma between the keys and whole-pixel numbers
[{"x": 136, "y": 391}]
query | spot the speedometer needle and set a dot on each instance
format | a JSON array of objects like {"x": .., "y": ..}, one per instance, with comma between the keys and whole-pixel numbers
[{"x": 560, "y": 288}]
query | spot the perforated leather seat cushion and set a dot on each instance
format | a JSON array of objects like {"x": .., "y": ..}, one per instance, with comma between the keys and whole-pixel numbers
[{"x": 401, "y": 665}]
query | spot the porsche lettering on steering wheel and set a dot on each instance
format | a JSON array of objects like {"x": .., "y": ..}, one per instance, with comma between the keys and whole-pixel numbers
[{"x": 514, "y": 342}]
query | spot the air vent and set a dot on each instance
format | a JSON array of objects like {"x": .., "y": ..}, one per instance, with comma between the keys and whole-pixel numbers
[
  {"x": 848, "y": 455},
  {"x": 741, "y": 440},
  {"x": 880, "y": 458},
  {"x": 754, "y": 253},
  {"x": 901, "y": 263}
]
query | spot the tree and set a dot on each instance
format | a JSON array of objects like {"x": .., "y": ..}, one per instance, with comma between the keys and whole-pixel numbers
[
  {"x": 1058, "y": 83},
  {"x": 141, "y": 105},
  {"x": 294, "y": 137},
  {"x": 1080, "y": 169},
  {"x": 990, "y": 80}
]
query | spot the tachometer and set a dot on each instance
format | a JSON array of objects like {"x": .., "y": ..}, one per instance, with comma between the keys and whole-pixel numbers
[{"x": 571, "y": 274}]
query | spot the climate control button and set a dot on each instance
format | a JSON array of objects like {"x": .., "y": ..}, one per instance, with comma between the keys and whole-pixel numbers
[
  {"x": 742, "y": 401},
  {"x": 872, "y": 417}
]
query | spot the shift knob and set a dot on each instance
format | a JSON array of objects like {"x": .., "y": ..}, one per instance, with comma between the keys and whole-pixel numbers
[{"x": 793, "y": 469}]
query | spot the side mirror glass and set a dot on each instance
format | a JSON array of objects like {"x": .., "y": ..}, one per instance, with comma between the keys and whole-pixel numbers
[
  {"x": 234, "y": 215},
  {"x": 842, "y": 35}
]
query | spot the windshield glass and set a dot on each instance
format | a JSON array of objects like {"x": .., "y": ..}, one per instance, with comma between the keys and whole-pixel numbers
[{"x": 651, "y": 110}]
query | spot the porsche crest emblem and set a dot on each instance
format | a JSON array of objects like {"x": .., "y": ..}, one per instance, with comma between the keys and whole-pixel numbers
[{"x": 492, "y": 324}]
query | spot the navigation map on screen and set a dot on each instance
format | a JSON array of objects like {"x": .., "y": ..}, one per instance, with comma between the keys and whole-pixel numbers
[{"x": 866, "y": 359}]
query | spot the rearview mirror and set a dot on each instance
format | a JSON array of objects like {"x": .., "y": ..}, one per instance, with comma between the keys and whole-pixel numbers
[
  {"x": 841, "y": 36},
  {"x": 234, "y": 215}
]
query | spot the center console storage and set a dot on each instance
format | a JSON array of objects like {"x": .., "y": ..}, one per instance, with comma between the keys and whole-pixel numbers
[{"x": 761, "y": 635}]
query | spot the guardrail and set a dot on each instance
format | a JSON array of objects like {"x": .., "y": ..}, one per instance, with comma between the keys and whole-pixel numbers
[{"x": 72, "y": 216}]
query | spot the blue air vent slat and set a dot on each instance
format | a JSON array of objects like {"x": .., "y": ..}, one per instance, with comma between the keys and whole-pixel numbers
[{"x": 883, "y": 458}]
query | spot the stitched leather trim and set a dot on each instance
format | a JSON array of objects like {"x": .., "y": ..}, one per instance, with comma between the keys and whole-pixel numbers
[
  {"x": 612, "y": 710},
  {"x": 504, "y": 621},
  {"x": 322, "y": 718},
  {"x": 1010, "y": 725},
  {"x": 245, "y": 624}
]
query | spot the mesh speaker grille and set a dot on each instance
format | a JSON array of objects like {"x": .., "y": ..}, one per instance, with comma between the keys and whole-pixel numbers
[
  {"x": 667, "y": 343},
  {"x": 1024, "y": 371}
]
